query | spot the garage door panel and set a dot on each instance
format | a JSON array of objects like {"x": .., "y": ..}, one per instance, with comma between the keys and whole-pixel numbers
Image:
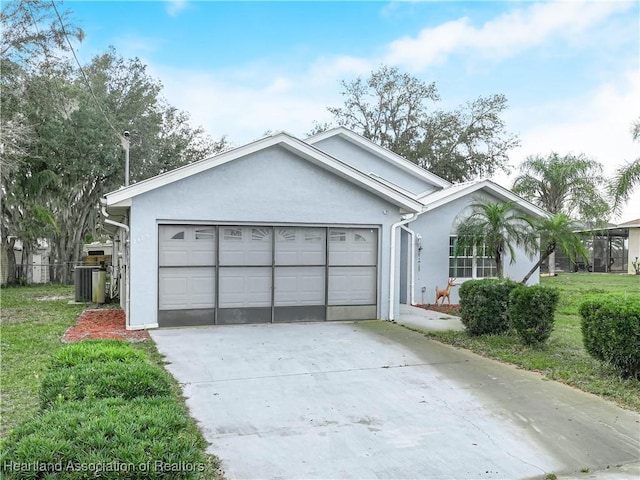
[
  {"x": 242, "y": 316},
  {"x": 300, "y": 246},
  {"x": 173, "y": 290},
  {"x": 353, "y": 246},
  {"x": 182, "y": 245},
  {"x": 245, "y": 245},
  {"x": 184, "y": 288},
  {"x": 299, "y": 286},
  {"x": 308, "y": 313},
  {"x": 186, "y": 318},
  {"x": 352, "y": 285},
  {"x": 245, "y": 287}
]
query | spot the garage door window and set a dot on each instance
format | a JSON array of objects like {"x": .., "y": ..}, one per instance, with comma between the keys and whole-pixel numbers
[{"x": 242, "y": 246}]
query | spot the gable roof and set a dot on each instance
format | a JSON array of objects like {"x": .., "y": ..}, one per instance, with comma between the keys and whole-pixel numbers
[
  {"x": 631, "y": 223},
  {"x": 431, "y": 201},
  {"x": 123, "y": 196},
  {"x": 380, "y": 152}
]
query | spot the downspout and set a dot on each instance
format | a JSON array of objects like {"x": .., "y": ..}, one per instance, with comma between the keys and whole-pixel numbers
[
  {"x": 412, "y": 258},
  {"x": 125, "y": 227},
  {"x": 112, "y": 222},
  {"x": 392, "y": 261}
]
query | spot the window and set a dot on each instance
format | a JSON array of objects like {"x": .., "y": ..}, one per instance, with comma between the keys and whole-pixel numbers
[
  {"x": 261, "y": 234},
  {"x": 232, "y": 234},
  {"x": 178, "y": 236},
  {"x": 286, "y": 235},
  {"x": 313, "y": 236},
  {"x": 470, "y": 262},
  {"x": 204, "y": 233},
  {"x": 337, "y": 236}
]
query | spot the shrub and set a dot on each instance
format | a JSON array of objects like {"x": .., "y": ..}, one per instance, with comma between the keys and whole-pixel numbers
[
  {"x": 104, "y": 380},
  {"x": 107, "y": 439},
  {"x": 611, "y": 332},
  {"x": 531, "y": 311},
  {"x": 483, "y": 305},
  {"x": 89, "y": 351}
]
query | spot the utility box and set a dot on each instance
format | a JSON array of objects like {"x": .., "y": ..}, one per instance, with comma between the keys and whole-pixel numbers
[
  {"x": 98, "y": 282},
  {"x": 83, "y": 280}
]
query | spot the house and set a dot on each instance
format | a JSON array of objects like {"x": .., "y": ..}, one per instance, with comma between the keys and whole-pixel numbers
[
  {"x": 611, "y": 249},
  {"x": 333, "y": 227},
  {"x": 632, "y": 229}
]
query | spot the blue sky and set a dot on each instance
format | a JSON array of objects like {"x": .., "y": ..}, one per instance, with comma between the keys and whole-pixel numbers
[{"x": 570, "y": 70}]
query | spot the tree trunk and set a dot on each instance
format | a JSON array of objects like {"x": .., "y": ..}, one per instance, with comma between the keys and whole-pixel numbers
[
  {"x": 499, "y": 265},
  {"x": 543, "y": 257},
  {"x": 11, "y": 261},
  {"x": 552, "y": 263}
]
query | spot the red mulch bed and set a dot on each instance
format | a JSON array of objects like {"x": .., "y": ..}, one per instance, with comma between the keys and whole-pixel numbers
[
  {"x": 448, "y": 309},
  {"x": 103, "y": 324}
]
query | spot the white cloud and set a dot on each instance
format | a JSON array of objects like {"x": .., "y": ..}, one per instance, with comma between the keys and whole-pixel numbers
[
  {"x": 244, "y": 112},
  {"x": 597, "y": 124},
  {"x": 174, "y": 7},
  {"x": 505, "y": 36}
]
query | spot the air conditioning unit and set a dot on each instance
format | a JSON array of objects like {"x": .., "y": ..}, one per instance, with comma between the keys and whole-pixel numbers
[{"x": 82, "y": 277}]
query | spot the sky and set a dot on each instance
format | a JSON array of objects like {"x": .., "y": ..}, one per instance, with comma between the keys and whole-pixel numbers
[{"x": 570, "y": 70}]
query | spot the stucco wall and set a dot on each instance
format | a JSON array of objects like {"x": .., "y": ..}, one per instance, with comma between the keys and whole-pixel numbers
[
  {"x": 270, "y": 186},
  {"x": 432, "y": 264},
  {"x": 366, "y": 162}
]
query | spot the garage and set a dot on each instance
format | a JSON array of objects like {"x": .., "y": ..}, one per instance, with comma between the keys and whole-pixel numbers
[
  {"x": 275, "y": 231},
  {"x": 241, "y": 274}
]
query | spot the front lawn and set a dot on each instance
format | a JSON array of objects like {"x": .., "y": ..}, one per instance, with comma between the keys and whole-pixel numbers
[
  {"x": 563, "y": 358},
  {"x": 32, "y": 322},
  {"x": 63, "y": 403}
]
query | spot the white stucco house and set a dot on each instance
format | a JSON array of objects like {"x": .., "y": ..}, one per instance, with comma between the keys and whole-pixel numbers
[{"x": 332, "y": 227}]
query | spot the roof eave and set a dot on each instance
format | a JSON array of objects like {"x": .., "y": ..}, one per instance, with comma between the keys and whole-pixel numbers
[
  {"x": 495, "y": 189},
  {"x": 123, "y": 196},
  {"x": 382, "y": 152}
]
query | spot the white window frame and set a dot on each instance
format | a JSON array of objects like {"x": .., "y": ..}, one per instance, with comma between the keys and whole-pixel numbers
[{"x": 474, "y": 262}]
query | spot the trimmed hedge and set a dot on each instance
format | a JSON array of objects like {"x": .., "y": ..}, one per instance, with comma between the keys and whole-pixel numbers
[
  {"x": 111, "y": 379},
  {"x": 611, "y": 332},
  {"x": 90, "y": 351},
  {"x": 531, "y": 311},
  {"x": 483, "y": 305},
  {"x": 109, "y": 439}
]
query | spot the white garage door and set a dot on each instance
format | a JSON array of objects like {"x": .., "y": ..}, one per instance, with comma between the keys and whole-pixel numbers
[{"x": 258, "y": 274}]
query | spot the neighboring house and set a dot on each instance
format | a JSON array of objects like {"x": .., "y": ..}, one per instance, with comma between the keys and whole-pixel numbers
[
  {"x": 282, "y": 230},
  {"x": 633, "y": 244},
  {"x": 612, "y": 249}
]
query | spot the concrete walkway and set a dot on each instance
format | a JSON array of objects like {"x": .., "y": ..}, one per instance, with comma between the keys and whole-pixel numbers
[
  {"x": 422, "y": 319},
  {"x": 375, "y": 400}
]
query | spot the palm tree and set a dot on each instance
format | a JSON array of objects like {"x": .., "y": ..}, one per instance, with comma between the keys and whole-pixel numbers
[
  {"x": 627, "y": 178},
  {"x": 564, "y": 184},
  {"x": 558, "y": 232},
  {"x": 499, "y": 227}
]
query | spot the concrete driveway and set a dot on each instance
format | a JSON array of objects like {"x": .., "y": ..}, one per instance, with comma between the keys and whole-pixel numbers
[{"x": 375, "y": 400}]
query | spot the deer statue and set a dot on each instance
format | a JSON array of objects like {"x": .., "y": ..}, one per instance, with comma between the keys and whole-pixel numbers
[{"x": 442, "y": 294}]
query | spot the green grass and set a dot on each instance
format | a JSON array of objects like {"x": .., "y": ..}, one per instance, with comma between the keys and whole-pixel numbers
[
  {"x": 93, "y": 430},
  {"x": 33, "y": 321},
  {"x": 104, "y": 380},
  {"x": 95, "y": 351},
  {"x": 111, "y": 438},
  {"x": 564, "y": 358}
]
